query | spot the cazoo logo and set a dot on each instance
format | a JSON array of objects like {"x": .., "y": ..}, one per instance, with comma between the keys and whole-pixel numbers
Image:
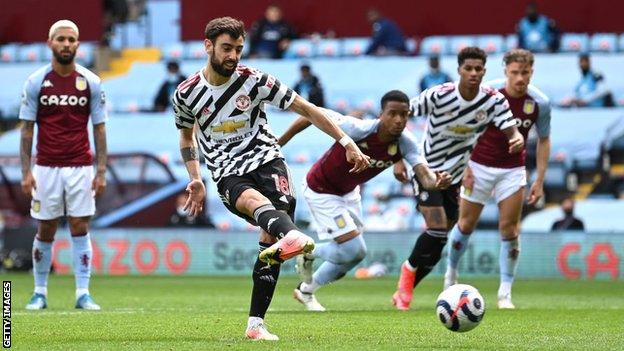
[
  {"x": 527, "y": 123},
  {"x": 63, "y": 100},
  {"x": 380, "y": 163}
]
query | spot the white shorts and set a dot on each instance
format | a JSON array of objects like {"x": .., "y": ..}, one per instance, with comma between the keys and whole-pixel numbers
[
  {"x": 62, "y": 191},
  {"x": 334, "y": 215},
  {"x": 497, "y": 182}
]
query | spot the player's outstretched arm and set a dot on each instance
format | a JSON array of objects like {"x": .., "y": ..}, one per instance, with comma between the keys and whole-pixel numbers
[
  {"x": 516, "y": 140},
  {"x": 324, "y": 123},
  {"x": 431, "y": 180},
  {"x": 300, "y": 124},
  {"x": 26, "y": 142},
  {"x": 195, "y": 188},
  {"x": 101, "y": 155},
  {"x": 542, "y": 156}
]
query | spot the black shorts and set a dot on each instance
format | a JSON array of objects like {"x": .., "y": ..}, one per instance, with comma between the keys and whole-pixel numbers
[
  {"x": 447, "y": 198},
  {"x": 272, "y": 180}
]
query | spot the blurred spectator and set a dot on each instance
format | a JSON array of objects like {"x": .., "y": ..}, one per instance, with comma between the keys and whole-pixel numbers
[
  {"x": 174, "y": 78},
  {"x": 435, "y": 75},
  {"x": 270, "y": 36},
  {"x": 115, "y": 11},
  {"x": 537, "y": 32},
  {"x": 309, "y": 86},
  {"x": 180, "y": 218},
  {"x": 591, "y": 90},
  {"x": 568, "y": 222},
  {"x": 387, "y": 38}
]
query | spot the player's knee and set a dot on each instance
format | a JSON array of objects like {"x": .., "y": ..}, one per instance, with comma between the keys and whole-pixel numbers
[
  {"x": 508, "y": 228},
  {"x": 354, "y": 250},
  {"x": 47, "y": 230},
  {"x": 78, "y": 225}
]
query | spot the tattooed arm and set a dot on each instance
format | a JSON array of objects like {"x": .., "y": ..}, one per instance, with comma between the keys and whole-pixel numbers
[
  {"x": 101, "y": 154},
  {"x": 26, "y": 142}
]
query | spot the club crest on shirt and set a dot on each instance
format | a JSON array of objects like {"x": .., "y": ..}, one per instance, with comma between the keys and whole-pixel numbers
[
  {"x": 36, "y": 206},
  {"x": 243, "y": 102},
  {"x": 81, "y": 83},
  {"x": 480, "y": 115},
  {"x": 340, "y": 221},
  {"x": 205, "y": 111},
  {"x": 392, "y": 149},
  {"x": 529, "y": 107}
]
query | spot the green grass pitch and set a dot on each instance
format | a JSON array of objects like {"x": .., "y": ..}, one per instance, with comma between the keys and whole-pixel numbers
[{"x": 210, "y": 313}]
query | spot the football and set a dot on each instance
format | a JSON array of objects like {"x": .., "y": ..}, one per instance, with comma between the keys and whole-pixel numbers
[{"x": 460, "y": 308}]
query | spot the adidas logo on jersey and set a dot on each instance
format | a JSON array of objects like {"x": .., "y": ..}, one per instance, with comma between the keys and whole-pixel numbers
[{"x": 63, "y": 100}]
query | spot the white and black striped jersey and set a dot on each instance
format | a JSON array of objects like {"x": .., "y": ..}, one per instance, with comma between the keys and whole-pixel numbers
[
  {"x": 233, "y": 133},
  {"x": 454, "y": 124}
]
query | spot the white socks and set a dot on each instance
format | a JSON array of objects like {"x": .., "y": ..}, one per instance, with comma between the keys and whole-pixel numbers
[
  {"x": 457, "y": 245},
  {"x": 82, "y": 253},
  {"x": 508, "y": 261},
  {"x": 42, "y": 261}
]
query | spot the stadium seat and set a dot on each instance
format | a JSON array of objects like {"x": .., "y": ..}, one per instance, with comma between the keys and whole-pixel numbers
[
  {"x": 435, "y": 45},
  {"x": 300, "y": 48},
  {"x": 511, "y": 42},
  {"x": 31, "y": 52},
  {"x": 173, "y": 51},
  {"x": 329, "y": 48},
  {"x": 354, "y": 46},
  {"x": 457, "y": 43},
  {"x": 491, "y": 43},
  {"x": 603, "y": 42},
  {"x": 194, "y": 50},
  {"x": 574, "y": 42},
  {"x": 8, "y": 53},
  {"x": 412, "y": 46}
]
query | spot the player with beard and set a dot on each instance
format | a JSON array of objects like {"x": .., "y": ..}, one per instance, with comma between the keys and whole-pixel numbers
[
  {"x": 226, "y": 101},
  {"x": 492, "y": 172},
  {"x": 60, "y": 97}
]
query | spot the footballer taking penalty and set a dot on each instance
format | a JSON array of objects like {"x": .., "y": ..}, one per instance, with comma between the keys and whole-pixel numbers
[{"x": 226, "y": 101}]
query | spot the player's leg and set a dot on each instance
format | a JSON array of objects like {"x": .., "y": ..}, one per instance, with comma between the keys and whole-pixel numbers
[
  {"x": 47, "y": 207},
  {"x": 459, "y": 236},
  {"x": 477, "y": 189},
  {"x": 427, "y": 249},
  {"x": 510, "y": 208},
  {"x": 42, "y": 262},
  {"x": 340, "y": 256},
  {"x": 271, "y": 204},
  {"x": 264, "y": 282},
  {"x": 82, "y": 257},
  {"x": 337, "y": 218},
  {"x": 80, "y": 204}
]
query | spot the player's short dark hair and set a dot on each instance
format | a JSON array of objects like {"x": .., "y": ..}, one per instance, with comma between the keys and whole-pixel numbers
[
  {"x": 394, "y": 95},
  {"x": 224, "y": 25},
  {"x": 471, "y": 52},
  {"x": 520, "y": 56}
]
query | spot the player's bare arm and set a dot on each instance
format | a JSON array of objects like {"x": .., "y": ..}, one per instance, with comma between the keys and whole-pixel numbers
[
  {"x": 299, "y": 125},
  {"x": 26, "y": 142},
  {"x": 431, "y": 180},
  {"x": 195, "y": 188},
  {"x": 400, "y": 172},
  {"x": 99, "y": 137},
  {"x": 542, "y": 156},
  {"x": 324, "y": 123},
  {"x": 515, "y": 138}
]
